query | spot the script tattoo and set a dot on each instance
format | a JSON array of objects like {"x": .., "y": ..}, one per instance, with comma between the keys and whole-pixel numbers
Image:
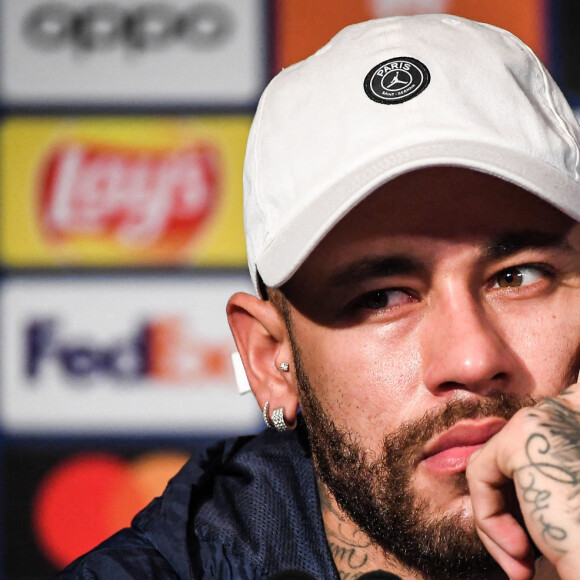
[
  {"x": 554, "y": 458},
  {"x": 348, "y": 560},
  {"x": 348, "y": 551},
  {"x": 539, "y": 499}
]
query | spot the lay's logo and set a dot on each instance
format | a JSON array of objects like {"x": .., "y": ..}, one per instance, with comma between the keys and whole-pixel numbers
[
  {"x": 150, "y": 201},
  {"x": 122, "y": 191}
]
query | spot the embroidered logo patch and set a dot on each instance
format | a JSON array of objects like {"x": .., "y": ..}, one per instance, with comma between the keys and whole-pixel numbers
[{"x": 396, "y": 80}]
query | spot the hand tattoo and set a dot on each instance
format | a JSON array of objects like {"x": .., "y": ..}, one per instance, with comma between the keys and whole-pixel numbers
[{"x": 553, "y": 458}]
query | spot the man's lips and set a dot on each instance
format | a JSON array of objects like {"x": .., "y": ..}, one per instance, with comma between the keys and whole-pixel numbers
[{"x": 450, "y": 451}]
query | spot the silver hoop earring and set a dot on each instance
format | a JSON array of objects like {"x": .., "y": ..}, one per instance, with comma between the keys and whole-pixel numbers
[
  {"x": 265, "y": 416},
  {"x": 278, "y": 420},
  {"x": 284, "y": 367}
]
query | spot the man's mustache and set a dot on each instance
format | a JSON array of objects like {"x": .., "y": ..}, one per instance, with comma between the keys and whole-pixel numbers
[{"x": 408, "y": 440}]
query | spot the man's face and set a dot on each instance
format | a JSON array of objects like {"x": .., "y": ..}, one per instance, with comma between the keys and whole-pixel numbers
[{"x": 426, "y": 317}]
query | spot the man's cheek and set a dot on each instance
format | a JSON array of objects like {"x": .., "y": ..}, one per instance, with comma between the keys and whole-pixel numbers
[{"x": 574, "y": 238}]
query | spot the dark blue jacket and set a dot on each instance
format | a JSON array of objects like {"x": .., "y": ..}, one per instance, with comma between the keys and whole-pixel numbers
[{"x": 243, "y": 510}]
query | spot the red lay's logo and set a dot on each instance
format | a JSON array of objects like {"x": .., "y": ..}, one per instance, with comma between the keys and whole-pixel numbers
[{"x": 144, "y": 201}]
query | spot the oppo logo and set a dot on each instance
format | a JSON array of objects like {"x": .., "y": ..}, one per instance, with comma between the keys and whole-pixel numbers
[{"x": 106, "y": 26}]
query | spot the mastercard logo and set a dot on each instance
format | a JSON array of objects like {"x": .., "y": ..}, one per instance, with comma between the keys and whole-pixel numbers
[{"x": 89, "y": 496}]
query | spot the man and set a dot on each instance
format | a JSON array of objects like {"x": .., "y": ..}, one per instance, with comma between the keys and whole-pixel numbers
[{"x": 412, "y": 195}]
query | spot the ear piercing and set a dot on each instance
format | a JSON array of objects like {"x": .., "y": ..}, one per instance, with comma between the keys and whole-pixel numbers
[
  {"x": 277, "y": 421},
  {"x": 265, "y": 415}
]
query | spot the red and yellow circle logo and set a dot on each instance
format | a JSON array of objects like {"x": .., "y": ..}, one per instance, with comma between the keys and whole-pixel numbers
[{"x": 90, "y": 496}]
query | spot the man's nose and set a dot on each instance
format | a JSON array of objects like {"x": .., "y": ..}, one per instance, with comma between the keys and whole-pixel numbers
[{"x": 462, "y": 346}]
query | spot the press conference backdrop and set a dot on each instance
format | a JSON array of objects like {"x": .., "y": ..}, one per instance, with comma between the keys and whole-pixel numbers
[{"x": 122, "y": 134}]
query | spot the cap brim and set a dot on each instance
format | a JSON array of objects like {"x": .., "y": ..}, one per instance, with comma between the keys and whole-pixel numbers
[{"x": 304, "y": 230}]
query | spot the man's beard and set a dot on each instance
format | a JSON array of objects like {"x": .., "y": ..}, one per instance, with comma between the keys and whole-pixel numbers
[{"x": 377, "y": 493}]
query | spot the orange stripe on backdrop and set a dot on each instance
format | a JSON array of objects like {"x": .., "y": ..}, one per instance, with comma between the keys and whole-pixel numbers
[{"x": 303, "y": 26}]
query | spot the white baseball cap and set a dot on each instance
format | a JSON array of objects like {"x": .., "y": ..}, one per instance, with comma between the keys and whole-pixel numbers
[{"x": 386, "y": 97}]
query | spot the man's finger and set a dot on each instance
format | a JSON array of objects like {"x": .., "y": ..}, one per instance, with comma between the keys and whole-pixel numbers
[
  {"x": 494, "y": 509},
  {"x": 539, "y": 450}
]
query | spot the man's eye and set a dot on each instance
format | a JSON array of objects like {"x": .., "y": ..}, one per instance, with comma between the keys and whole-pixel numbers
[
  {"x": 518, "y": 276},
  {"x": 378, "y": 299}
]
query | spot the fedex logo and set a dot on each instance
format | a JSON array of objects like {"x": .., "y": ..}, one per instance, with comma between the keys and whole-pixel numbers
[
  {"x": 120, "y": 354},
  {"x": 161, "y": 349}
]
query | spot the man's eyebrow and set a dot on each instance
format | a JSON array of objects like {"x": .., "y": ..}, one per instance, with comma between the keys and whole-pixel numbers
[
  {"x": 374, "y": 267},
  {"x": 513, "y": 242}
]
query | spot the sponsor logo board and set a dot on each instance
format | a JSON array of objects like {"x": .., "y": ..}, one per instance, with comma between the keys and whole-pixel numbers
[
  {"x": 122, "y": 191},
  {"x": 132, "y": 52},
  {"x": 108, "y": 354},
  {"x": 566, "y": 17},
  {"x": 51, "y": 493},
  {"x": 303, "y": 26}
]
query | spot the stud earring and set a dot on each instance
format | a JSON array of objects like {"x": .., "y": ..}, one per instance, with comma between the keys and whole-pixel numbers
[{"x": 284, "y": 367}]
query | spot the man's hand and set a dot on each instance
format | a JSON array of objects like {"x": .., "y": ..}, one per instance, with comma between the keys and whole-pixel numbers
[{"x": 538, "y": 453}]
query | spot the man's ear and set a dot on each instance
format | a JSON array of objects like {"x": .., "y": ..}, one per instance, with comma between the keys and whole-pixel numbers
[{"x": 262, "y": 340}]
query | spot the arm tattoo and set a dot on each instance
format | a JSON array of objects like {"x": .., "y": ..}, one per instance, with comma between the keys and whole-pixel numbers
[{"x": 552, "y": 458}]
